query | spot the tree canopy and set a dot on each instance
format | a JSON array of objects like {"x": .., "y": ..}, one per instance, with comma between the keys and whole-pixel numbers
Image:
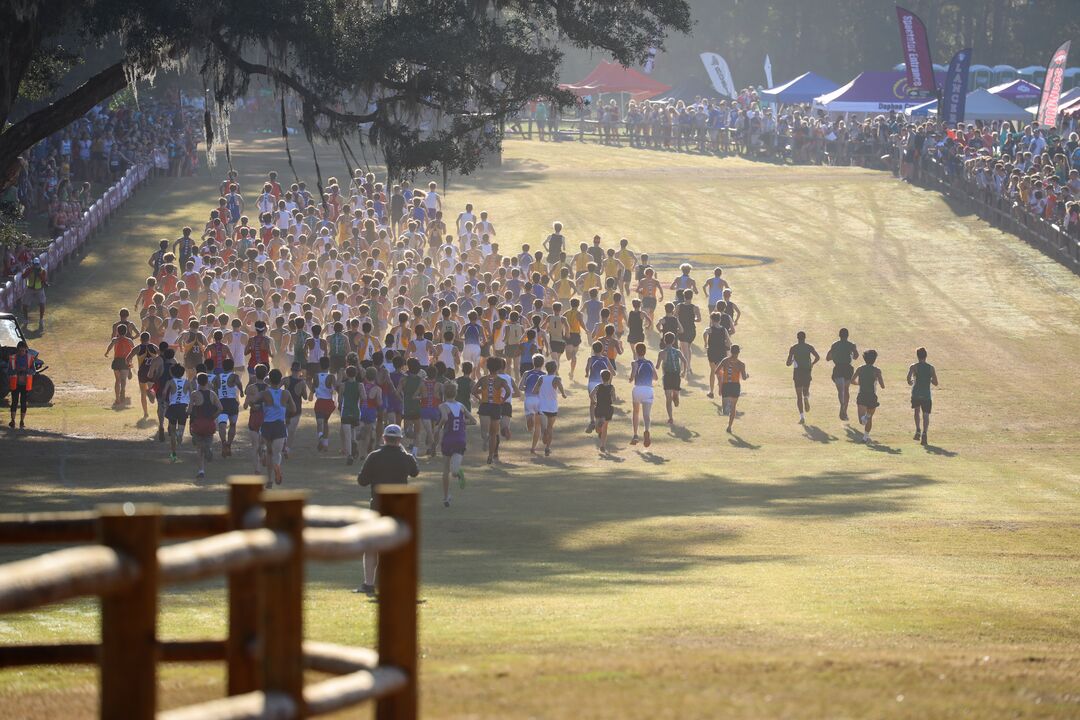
[{"x": 424, "y": 76}]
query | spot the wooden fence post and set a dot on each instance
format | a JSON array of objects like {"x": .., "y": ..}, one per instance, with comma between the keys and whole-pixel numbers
[
  {"x": 242, "y": 644},
  {"x": 399, "y": 576},
  {"x": 129, "y": 649},
  {"x": 282, "y": 632}
]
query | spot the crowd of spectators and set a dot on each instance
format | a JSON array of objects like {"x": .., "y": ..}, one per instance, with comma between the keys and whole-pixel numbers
[{"x": 64, "y": 174}]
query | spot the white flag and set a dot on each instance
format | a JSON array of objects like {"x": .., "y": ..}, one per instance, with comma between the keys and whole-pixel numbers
[
  {"x": 768, "y": 73},
  {"x": 719, "y": 74},
  {"x": 650, "y": 62}
]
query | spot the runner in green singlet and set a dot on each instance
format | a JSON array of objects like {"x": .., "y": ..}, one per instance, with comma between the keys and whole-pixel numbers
[
  {"x": 867, "y": 378},
  {"x": 802, "y": 357},
  {"x": 349, "y": 403},
  {"x": 920, "y": 376},
  {"x": 410, "y": 394},
  {"x": 842, "y": 352}
]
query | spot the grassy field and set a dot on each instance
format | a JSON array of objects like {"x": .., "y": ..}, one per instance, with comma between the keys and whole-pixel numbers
[{"x": 787, "y": 571}]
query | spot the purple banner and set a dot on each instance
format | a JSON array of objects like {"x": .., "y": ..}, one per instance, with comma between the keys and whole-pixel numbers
[
  {"x": 916, "y": 46},
  {"x": 956, "y": 83},
  {"x": 1055, "y": 75}
]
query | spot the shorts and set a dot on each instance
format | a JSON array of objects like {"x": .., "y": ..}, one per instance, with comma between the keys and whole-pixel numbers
[
  {"x": 274, "y": 430},
  {"x": 642, "y": 394},
  {"x": 324, "y": 408},
  {"x": 867, "y": 401},
  {"x": 191, "y": 361},
  {"x": 255, "y": 420},
  {"x": 925, "y": 404},
  {"x": 717, "y": 353},
  {"x": 120, "y": 364},
  {"x": 351, "y": 420},
  {"x": 801, "y": 377},
  {"x": 176, "y": 414},
  {"x": 550, "y": 413},
  {"x": 452, "y": 447},
  {"x": 471, "y": 353},
  {"x": 627, "y": 275},
  {"x": 592, "y": 385},
  {"x": 144, "y": 374},
  {"x": 230, "y": 407},
  {"x": 634, "y": 337},
  {"x": 532, "y": 405},
  {"x": 512, "y": 351},
  {"x": 313, "y": 369},
  {"x": 687, "y": 336},
  {"x": 843, "y": 372},
  {"x": 429, "y": 413},
  {"x": 203, "y": 427},
  {"x": 34, "y": 297},
  {"x": 672, "y": 381},
  {"x": 648, "y": 304},
  {"x": 606, "y": 414},
  {"x": 507, "y": 410},
  {"x": 557, "y": 347},
  {"x": 573, "y": 339},
  {"x": 492, "y": 411},
  {"x": 368, "y": 415},
  {"x": 412, "y": 412},
  {"x": 730, "y": 390}
]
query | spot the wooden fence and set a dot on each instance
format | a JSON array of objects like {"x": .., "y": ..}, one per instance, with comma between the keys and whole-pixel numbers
[{"x": 260, "y": 543}]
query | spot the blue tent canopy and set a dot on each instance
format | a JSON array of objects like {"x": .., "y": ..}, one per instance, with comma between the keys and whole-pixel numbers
[{"x": 802, "y": 89}]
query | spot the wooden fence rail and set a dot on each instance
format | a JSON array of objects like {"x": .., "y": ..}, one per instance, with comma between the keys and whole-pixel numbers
[{"x": 261, "y": 544}]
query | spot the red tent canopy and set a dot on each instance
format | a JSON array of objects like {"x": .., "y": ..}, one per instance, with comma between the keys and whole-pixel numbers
[{"x": 609, "y": 77}]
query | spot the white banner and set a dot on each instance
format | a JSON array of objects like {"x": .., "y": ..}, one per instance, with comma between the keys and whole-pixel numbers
[
  {"x": 650, "y": 62},
  {"x": 768, "y": 73},
  {"x": 719, "y": 74}
]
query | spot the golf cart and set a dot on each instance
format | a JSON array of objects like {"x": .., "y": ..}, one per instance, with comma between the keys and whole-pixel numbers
[{"x": 10, "y": 336}]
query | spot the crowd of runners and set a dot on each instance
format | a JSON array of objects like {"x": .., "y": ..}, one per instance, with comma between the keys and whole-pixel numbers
[{"x": 374, "y": 308}]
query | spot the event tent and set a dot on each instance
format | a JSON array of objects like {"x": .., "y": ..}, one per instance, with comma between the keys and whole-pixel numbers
[
  {"x": 802, "y": 89},
  {"x": 609, "y": 77},
  {"x": 980, "y": 105},
  {"x": 1019, "y": 91},
  {"x": 872, "y": 92},
  {"x": 1067, "y": 99}
]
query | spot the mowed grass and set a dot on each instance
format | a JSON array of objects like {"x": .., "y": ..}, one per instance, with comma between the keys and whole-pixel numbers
[{"x": 785, "y": 572}]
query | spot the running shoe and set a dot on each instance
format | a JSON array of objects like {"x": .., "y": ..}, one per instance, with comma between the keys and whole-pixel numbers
[
  {"x": 648, "y": 439},
  {"x": 918, "y": 435},
  {"x": 634, "y": 440},
  {"x": 172, "y": 457},
  {"x": 591, "y": 426},
  {"x": 461, "y": 479},
  {"x": 200, "y": 475}
]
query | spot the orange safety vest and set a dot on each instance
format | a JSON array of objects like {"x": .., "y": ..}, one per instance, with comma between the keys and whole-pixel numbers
[{"x": 22, "y": 371}]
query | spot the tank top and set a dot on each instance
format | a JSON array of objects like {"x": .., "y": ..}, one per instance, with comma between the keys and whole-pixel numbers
[
  {"x": 490, "y": 391},
  {"x": 260, "y": 351},
  {"x": 339, "y": 345},
  {"x": 369, "y": 394},
  {"x": 300, "y": 346},
  {"x": 423, "y": 351},
  {"x": 867, "y": 381},
  {"x": 685, "y": 313},
  {"x": 597, "y": 364},
  {"x": 122, "y": 347},
  {"x": 548, "y": 396},
  {"x": 473, "y": 333},
  {"x": 923, "y": 372},
  {"x": 446, "y": 355},
  {"x": 635, "y": 323},
  {"x": 454, "y": 429},
  {"x": 555, "y": 329},
  {"x": 206, "y": 408},
  {"x": 181, "y": 392},
  {"x": 321, "y": 391},
  {"x": 316, "y": 350},
  {"x": 225, "y": 390},
  {"x": 532, "y": 381},
  {"x": 801, "y": 354},
  {"x": 216, "y": 354},
  {"x": 275, "y": 411},
  {"x": 644, "y": 373},
  {"x": 604, "y": 394},
  {"x": 350, "y": 398},
  {"x": 731, "y": 374},
  {"x": 291, "y": 384},
  {"x": 428, "y": 394}
]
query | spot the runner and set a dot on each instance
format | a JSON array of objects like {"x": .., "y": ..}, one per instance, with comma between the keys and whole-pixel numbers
[
  {"x": 642, "y": 375},
  {"x": 530, "y": 389},
  {"x": 121, "y": 347},
  {"x": 717, "y": 342},
  {"x": 370, "y": 405},
  {"x": 144, "y": 354},
  {"x": 867, "y": 378},
  {"x": 732, "y": 372},
  {"x": 550, "y": 388},
  {"x": 453, "y": 419},
  {"x": 801, "y": 358},
  {"x": 491, "y": 391},
  {"x": 178, "y": 394},
  {"x": 841, "y": 354},
  {"x": 229, "y": 390},
  {"x": 672, "y": 364},
  {"x": 603, "y": 403},
  {"x": 409, "y": 386},
  {"x": 325, "y": 385},
  {"x": 350, "y": 398},
  {"x": 205, "y": 408},
  {"x": 276, "y": 403},
  {"x": 297, "y": 387},
  {"x": 689, "y": 315},
  {"x": 921, "y": 375},
  {"x": 253, "y": 401},
  {"x": 598, "y": 362}
]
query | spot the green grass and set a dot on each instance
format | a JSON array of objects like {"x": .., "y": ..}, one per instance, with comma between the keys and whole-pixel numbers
[{"x": 787, "y": 572}]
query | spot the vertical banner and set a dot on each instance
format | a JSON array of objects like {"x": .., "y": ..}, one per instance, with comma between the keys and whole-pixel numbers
[
  {"x": 951, "y": 107},
  {"x": 768, "y": 81},
  {"x": 650, "y": 61},
  {"x": 916, "y": 45},
  {"x": 719, "y": 74},
  {"x": 1051, "y": 93}
]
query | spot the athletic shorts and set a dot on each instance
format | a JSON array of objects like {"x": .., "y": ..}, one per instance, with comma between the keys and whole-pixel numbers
[
  {"x": 573, "y": 339},
  {"x": 176, "y": 414},
  {"x": 557, "y": 347},
  {"x": 648, "y": 304},
  {"x": 412, "y": 412},
  {"x": 452, "y": 448},
  {"x": 368, "y": 415},
  {"x": 592, "y": 385},
  {"x": 605, "y": 414},
  {"x": 642, "y": 394},
  {"x": 191, "y": 361},
  {"x": 688, "y": 336},
  {"x": 843, "y": 372},
  {"x": 507, "y": 410},
  {"x": 532, "y": 405},
  {"x": 492, "y": 411},
  {"x": 119, "y": 364},
  {"x": 730, "y": 390},
  {"x": 672, "y": 381},
  {"x": 324, "y": 408},
  {"x": 633, "y": 338},
  {"x": 801, "y": 377},
  {"x": 273, "y": 430},
  {"x": 867, "y": 401},
  {"x": 313, "y": 369},
  {"x": 471, "y": 353},
  {"x": 924, "y": 404},
  {"x": 716, "y": 353},
  {"x": 203, "y": 427},
  {"x": 350, "y": 420},
  {"x": 230, "y": 407},
  {"x": 429, "y": 413}
]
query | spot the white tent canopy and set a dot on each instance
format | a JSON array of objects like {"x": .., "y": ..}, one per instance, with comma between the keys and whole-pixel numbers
[{"x": 980, "y": 105}]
